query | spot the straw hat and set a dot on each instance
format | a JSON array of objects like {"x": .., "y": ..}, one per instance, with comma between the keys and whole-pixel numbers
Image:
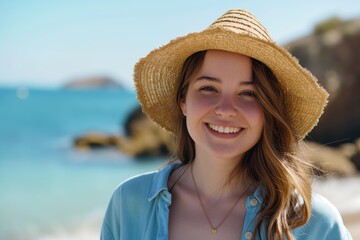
[{"x": 237, "y": 31}]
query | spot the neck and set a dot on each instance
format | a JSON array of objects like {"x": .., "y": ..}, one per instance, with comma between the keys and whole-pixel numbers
[{"x": 212, "y": 177}]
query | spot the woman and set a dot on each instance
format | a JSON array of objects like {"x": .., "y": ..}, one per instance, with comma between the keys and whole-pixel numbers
[{"x": 238, "y": 106}]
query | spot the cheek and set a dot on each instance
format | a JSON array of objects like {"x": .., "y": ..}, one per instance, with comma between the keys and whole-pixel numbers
[
  {"x": 254, "y": 112},
  {"x": 259, "y": 117},
  {"x": 197, "y": 103}
]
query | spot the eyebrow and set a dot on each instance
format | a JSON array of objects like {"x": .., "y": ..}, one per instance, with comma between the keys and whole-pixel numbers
[{"x": 214, "y": 79}]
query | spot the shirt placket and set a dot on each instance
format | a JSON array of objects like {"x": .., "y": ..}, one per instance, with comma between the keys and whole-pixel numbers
[
  {"x": 162, "y": 214},
  {"x": 252, "y": 208}
]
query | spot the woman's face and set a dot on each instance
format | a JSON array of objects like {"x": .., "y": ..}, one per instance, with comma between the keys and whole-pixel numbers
[{"x": 223, "y": 115}]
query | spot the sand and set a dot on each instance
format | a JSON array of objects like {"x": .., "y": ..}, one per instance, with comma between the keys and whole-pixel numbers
[{"x": 352, "y": 222}]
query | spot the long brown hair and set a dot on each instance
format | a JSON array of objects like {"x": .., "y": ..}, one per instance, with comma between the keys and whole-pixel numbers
[{"x": 272, "y": 162}]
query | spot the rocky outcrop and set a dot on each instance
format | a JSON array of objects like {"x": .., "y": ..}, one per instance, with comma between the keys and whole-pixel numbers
[
  {"x": 92, "y": 82},
  {"x": 355, "y": 154},
  {"x": 332, "y": 54},
  {"x": 142, "y": 138},
  {"x": 95, "y": 140},
  {"x": 329, "y": 160}
]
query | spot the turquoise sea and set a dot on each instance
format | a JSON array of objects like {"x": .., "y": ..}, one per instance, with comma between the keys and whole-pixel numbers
[{"x": 50, "y": 191}]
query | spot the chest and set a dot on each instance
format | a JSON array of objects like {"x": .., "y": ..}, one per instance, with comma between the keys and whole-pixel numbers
[{"x": 188, "y": 219}]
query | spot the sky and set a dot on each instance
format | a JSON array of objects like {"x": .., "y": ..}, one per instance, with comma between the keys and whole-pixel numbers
[{"x": 46, "y": 43}]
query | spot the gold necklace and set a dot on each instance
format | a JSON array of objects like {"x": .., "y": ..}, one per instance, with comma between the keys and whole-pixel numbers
[{"x": 214, "y": 228}]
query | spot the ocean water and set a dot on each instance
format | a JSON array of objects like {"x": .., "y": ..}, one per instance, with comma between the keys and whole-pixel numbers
[{"x": 50, "y": 191}]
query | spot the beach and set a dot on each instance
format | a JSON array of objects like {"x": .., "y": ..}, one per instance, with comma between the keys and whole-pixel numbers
[
  {"x": 344, "y": 193},
  {"x": 352, "y": 222}
]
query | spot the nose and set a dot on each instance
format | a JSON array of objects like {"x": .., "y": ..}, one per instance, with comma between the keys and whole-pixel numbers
[{"x": 226, "y": 107}]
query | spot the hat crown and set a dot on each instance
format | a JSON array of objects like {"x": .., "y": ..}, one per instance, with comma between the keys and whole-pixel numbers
[{"x": 242, "y": 22}]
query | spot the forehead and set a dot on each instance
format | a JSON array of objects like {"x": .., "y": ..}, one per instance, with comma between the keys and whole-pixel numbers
[{"x": 223, "y": 64}]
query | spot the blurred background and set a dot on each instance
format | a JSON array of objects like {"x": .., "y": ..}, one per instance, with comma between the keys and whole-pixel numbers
[{"x": 70, "y": 125}]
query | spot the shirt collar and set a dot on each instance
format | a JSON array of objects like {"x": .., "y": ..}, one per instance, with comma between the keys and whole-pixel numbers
[
  {"x": 160, "y": 180},
  {"x": 258, "y": 194}
]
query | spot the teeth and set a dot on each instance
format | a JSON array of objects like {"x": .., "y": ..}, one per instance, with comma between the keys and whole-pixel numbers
[{"x": 222, "y": 129}]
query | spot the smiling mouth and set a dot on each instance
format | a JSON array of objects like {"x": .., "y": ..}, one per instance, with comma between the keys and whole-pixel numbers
[{"x": 222, "y": 129}]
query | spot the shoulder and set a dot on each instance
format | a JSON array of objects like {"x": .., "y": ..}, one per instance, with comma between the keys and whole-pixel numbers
[
  {"x": 142, "y": 186},
  {"x": 136, "y": 184},
  {"x": 326, "y": 217},
  {"x": 130, "y": 205},
  {"x": 323, "y": 210},
  {"x": 127, "y": 195},
  {"x": 325, "y": 222},
  {"x": 134, "y": 188}
]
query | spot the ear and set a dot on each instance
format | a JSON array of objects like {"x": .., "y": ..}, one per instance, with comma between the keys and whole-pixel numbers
[{"x": 183, "y": 106}]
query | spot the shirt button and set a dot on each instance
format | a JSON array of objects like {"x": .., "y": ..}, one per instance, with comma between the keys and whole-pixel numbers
[
  {"x": 253, "y": 202},
  {"x": 248, "y": 235}
]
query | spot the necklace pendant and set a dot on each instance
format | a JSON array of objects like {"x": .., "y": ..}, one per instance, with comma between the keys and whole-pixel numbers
[{"x": 213, "y": 230}]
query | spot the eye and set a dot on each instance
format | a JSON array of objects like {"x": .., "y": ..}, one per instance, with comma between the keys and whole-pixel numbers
[
  {"x": 248, "y": 93},
  {"x": 208, "y": 89}
]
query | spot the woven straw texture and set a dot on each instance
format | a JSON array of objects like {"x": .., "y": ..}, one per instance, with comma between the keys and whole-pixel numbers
[{"x": 156, "y": 76}]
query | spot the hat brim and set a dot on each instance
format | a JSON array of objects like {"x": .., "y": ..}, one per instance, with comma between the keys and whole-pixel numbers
[{"x": 157, "y": 74}]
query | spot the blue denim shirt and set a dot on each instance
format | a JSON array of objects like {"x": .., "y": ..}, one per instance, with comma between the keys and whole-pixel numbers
[{"x": 139, "y": 209}]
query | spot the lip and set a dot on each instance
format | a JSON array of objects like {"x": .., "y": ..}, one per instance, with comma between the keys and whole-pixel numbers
[{"x": 223, "y": 135}]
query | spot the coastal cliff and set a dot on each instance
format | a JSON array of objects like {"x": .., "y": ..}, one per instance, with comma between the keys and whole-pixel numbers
[{"x": 332, "y": 53}]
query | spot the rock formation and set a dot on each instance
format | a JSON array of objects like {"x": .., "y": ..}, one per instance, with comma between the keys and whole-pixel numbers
[
  {"x": 95, "y": 140},
  {"x": 92, "y": 82},
  {"x": 142, "y": 138},
  {"x": 328, "y": 160},
  {"x": 332, "y": 54}
]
